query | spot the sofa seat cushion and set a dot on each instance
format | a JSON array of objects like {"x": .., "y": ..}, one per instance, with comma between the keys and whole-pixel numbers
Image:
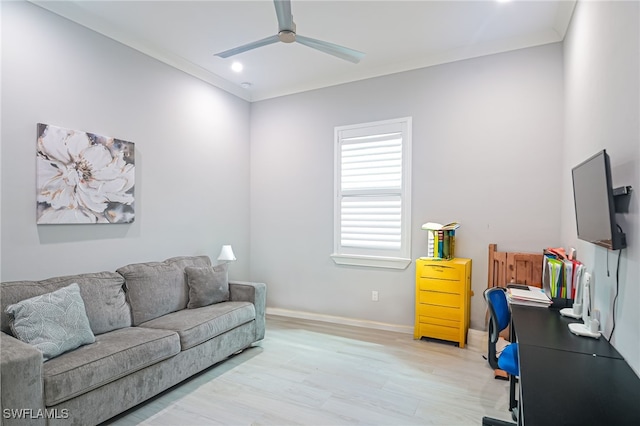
[
  {"x": 112, "y": 356},
  {"x": 195, "y": 326}
]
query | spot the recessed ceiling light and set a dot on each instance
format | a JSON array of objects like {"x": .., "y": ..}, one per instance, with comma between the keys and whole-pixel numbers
[
  {"x": 237, "y": 66},
  {"x": 245, "y": 85}
]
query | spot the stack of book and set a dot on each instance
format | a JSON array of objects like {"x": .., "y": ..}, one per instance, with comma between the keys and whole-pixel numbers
[
  {"x": 532, "y": 296},
  {"x": 441, "y": 240}
]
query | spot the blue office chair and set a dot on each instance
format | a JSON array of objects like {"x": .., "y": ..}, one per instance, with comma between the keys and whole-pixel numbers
[{"x": 499, "y": 319}]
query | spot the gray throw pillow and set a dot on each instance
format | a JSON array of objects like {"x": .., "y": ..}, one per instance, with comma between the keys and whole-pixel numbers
[
  {"x": 158, "y": 288},
  {"x": 54, "y": 322},
  {"x": 207, "y": 285}
]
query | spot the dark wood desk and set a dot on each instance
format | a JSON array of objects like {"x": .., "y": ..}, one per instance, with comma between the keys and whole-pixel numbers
[
  {"x": 570, "y": 380},
  {"x": 568, "y": 388},
  {"x": 548, "y": 329}
]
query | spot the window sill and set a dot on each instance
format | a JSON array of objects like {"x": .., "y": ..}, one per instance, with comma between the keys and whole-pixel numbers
[{"x": 371, "y": 261}]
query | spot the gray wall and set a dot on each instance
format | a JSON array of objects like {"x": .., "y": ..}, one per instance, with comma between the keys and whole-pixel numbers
[
  {"x": 192, "y": 150},
  {"x": 487, "y": 137},
  {"x": 494, "y": 139},
  {"x": 602, "y": 77}
]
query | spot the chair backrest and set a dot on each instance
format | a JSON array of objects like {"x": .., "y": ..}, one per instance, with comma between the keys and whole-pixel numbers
[
  {"x": 499, "y": 312},
  {"x": 513, "y": 267}
]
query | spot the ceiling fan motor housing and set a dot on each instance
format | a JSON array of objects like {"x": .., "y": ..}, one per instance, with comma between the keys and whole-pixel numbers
[{"x": 287, "y": 36}]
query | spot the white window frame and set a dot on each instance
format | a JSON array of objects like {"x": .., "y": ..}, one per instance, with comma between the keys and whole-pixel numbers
[{"x": 374, "y": 257}]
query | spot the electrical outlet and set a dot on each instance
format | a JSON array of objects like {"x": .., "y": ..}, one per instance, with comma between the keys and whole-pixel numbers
[{"x": 374, "y": 296}]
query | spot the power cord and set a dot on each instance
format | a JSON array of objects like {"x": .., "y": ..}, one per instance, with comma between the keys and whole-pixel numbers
[{"x": 615, "y": 298}]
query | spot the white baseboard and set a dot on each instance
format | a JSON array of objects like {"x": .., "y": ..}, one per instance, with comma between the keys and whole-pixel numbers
[
  {"x": 340, "y": 320},
  {"x": 476, "y": 339}
]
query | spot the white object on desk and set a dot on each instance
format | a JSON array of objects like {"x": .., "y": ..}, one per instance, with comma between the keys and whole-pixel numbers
[
  {"x": 583, "y": 330},
  {"x": 571, "y": 312},
  {"x": 591, "y": 326},
  {"x": 576, "y": 310}
]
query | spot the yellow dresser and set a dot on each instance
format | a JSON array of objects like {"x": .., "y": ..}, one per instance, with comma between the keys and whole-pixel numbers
[{"x": 443, "y": 299}]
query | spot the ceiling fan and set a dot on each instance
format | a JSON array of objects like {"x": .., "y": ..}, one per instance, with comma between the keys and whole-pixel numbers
[{"x": 287, "y": 34}]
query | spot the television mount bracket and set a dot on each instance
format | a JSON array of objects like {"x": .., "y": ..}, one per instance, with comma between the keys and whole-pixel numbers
[{"x": 622, "y": 198}]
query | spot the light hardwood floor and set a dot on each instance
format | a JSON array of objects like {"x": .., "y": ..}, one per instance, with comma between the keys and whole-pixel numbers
[{"x": 313, "y": 373}]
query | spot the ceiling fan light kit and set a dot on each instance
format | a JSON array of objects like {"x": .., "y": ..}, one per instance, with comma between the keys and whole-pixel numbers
[{"x": 287, "y": 34}]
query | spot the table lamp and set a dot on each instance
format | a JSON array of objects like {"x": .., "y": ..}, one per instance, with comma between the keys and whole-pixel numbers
[{"x": 226, "y": 254}]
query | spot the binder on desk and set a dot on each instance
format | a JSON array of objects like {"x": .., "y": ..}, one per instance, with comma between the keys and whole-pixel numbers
[
  {"x": 558, "y": 277},
  {"x": 578, "y": 272},
  {"x": 568, "y": 279}
]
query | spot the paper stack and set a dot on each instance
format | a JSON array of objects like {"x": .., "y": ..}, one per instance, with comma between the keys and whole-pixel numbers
[{"x": 533, "y": 297}]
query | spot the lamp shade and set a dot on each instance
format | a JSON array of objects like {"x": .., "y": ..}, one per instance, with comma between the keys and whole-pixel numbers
[{"x": 226, "y": 254}]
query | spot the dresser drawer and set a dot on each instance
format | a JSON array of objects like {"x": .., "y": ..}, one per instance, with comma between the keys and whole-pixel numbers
[
  {"x": 442, "y": 271},
  {"x": 442, "y": 286},
  {"x": 440, "y": 299},
  {"x": 439, "y": 332},
  {"x": 433, "y": 311},
  {"x": 440, "y": 321}
]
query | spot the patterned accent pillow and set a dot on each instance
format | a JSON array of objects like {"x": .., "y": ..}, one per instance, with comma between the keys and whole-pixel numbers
[
  {"x": 54, "y": 322},
  {"x": 207, "y": 285}
]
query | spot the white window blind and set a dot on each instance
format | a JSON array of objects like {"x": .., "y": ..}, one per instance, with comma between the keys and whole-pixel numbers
[{"x": 372, "y": 193}]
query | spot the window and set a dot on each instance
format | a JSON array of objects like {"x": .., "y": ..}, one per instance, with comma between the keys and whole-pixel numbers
[{"x": 373, "y": 194}]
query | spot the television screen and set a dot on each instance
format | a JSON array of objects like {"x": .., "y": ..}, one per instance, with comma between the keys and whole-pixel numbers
[{"x": 593, "y": 198}]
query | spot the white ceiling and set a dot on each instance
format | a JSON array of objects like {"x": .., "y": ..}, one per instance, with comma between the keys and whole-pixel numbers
[{"x": 395, "y": 35}]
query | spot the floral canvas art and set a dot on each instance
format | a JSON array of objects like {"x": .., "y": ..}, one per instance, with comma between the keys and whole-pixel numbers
[{"x": 83, "y": 177}]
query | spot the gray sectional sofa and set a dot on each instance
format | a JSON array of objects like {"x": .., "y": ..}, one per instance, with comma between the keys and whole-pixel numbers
[{"x": 146, "y": 340}]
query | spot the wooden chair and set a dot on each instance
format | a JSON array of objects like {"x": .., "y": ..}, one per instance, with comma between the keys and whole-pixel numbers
[{"x": 511, "y": 267}]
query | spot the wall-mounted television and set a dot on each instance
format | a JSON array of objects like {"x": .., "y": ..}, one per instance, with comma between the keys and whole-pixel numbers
[{"x": 594, "y": 203}]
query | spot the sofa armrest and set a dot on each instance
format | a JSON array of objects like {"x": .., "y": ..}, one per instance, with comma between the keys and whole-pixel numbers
[
  {"x": 21, "y": 389},
  {"x": 255, "y": 293}
]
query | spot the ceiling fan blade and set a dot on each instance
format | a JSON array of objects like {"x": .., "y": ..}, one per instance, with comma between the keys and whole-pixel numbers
[
  {"x": 248, "y": 46},
  {"x": 332, "y": 49},
  {"x": 283, "y": 12}
]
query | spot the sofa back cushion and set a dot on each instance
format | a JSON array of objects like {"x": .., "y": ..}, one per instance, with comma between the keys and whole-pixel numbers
[
  {"x": 158, "y": 288},
  {"x": 102, "y": 293}
]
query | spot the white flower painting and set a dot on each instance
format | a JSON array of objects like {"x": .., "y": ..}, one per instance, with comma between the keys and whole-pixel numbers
[{"x": 83, "y": 177}]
